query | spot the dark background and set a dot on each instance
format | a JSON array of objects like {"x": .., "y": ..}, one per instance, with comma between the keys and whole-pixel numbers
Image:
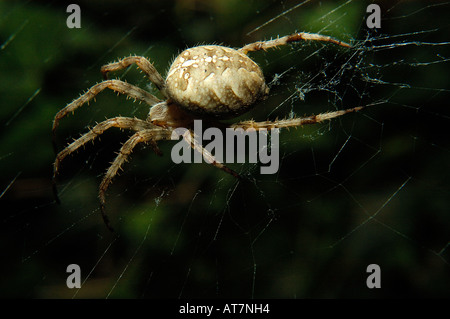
[{"x": 368, "y": 188}]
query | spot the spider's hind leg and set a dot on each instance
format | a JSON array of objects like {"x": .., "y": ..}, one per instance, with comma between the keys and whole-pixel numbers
[
  {"x": 207, "y": 156},
  {"x": 119, "y": 122},
  {"x": 145, "y": 136}
]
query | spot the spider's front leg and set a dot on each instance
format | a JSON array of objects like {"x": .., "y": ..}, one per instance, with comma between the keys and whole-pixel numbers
[{"x": 150, "y": 136}]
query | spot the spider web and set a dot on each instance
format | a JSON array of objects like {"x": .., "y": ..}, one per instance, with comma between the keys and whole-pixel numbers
[{"x": 366, "y": 188}]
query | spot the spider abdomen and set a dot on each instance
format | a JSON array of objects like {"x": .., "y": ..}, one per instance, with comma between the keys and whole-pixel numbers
[{"x": 216, "y": 81}]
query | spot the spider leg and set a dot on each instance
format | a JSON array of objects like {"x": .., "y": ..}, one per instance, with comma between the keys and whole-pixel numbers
[
  {"x": 130, "y": 90},
  {"x": 207, "y": 156},
  {"x": 293, "y": 122},
  {"x": 264, "y": 45},
  {"x": 145, "y": 136},
  {"x": 142, "y": 63},
  {"x": 120, "y": 122}
]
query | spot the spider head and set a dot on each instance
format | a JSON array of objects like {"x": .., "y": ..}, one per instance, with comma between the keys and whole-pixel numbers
[{"x": 168, "y": 114}]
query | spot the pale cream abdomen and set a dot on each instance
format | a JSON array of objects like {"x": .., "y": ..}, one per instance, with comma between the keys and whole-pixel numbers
[{"x": 215, "y": 81}]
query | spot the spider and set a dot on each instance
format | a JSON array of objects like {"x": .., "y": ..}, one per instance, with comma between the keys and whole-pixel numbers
[{"x": 209, "y": 82}]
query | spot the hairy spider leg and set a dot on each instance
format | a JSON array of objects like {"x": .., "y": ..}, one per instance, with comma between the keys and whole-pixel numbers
[
  {"x": 295, "y": 37},
  {"x": 150, "y": 136},
  {"x": 143, "y": 64},
  {"x": 118, "y": 86},
  {"x": 189, "y": 137},
  {"x": 119, "y": 122},
  {"x": 293, "y": 122}
]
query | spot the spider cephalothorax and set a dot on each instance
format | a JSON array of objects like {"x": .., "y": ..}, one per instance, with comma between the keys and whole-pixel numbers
[{"x": 208, "y": 81}]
